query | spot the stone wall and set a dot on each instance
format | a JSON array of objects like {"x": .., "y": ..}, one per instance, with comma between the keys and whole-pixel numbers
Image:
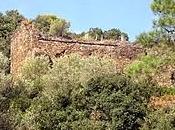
[{"x": 27, "y": 42}]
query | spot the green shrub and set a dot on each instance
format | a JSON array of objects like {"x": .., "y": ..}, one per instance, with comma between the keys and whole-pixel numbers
[
  {"x": 146, "y": 65},
  {"x": 152, "y": 38},
  {"x": 7, "y": 93},
  {"x": 74, "y": 71},
  {"x": 34, "y": 68},
  {"x": 4, "y": 63},
  {"x": 68, "y": 74},
  {"x": 105, "y": 102},
  {"x": 122, "y": 102},
  {"x": 168, "y": 90},
  {"x": 160, "y": 120},
  {"x": 78, "y": 93},
  {"x": 147, "y": 39}
]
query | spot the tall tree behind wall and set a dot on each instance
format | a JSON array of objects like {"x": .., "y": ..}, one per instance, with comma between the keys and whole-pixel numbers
[
  {"x": 52, "y": 25},
  {"x": 115, "y": 34},
  {"x": 163, "y": 25},
  {"x": 8, "y": 23},
  {"x": 165, "y": 20}
]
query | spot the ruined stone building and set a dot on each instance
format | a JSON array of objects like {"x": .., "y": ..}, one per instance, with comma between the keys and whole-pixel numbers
[{"x": 27, "y": 42}]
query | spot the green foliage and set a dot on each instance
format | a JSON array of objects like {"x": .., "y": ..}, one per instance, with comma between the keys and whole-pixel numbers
[
  {"x": 114, "y": 96},
  {"x": 149, "y": 39},
  {"x": 165, "y": 10},
  {"x": 73, "y": 70},
  {"x": 114, "y": 34},
  {"x": 160, "y": 120},
  {"x": 4, "y": 63},
  {"x": 52, "y": 25},
  {"x": 99, "y": 34},
  {"x": 33, "y": 68},
  {"x": 76, "y": 93},
  {"x": 164, "y": 24},
  {"x": 95, "y": 33},
  {"x": 168, "y": 91},
  {"x": 67, "y": 74},
  {"x": 146, "y": 65},
  {"x": 6, "y": 94},
  {"x": 105, "y": 102},
  {"x": 165, "y": 20},
  {"x": 58, "y": 27},
  {"x": 8, "y": 23}
]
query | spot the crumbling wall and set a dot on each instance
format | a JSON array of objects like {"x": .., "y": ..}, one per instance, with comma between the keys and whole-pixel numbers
[
  {"x": 22, "y": 42},
  {"x": 27, "y": 42}
]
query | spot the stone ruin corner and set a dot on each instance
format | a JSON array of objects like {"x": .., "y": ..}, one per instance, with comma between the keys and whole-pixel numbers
[{"x": 28, "y": 42}]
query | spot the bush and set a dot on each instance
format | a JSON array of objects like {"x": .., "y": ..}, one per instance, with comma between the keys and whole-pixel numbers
[
  {"x": 68, "y": 74},
  {"x": 4, "y": 63},
  {"x": 5, "y": 122},
  {"x": 77, "y": 93},
  {"x": 7, "y": 93},
  {"x": 148, "y": 39},
  {"x": 143, "y": 67},
  {"x": 34, "y": 68},
  {"x": 160, "y": 120},
  {"x": 158, "y": 62},
  {"x": 74, "y": 71},
  {"x": 105, "y": 102},
  {"x": 122, "y": 103}
]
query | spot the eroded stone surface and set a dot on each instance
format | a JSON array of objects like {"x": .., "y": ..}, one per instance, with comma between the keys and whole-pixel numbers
[{"x": 27, "y": 42}]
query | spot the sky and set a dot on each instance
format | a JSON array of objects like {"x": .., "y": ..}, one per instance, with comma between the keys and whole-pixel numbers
[{"x": 130, "y": 16}]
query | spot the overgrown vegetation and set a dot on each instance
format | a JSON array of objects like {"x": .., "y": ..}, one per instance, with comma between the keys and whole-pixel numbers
[
  {"x": 160, "y": 120},
  {"x": 77, "y": 93},
  {"x": 87, "y": 93}
]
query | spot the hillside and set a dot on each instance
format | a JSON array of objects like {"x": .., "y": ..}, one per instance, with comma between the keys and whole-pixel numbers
[{"x": 52, "y": 78}]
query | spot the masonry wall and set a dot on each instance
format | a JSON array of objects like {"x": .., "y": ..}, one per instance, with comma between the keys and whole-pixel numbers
[
  {"x": 27, "y": 42},
  {"x": 22, "y": 42}
]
